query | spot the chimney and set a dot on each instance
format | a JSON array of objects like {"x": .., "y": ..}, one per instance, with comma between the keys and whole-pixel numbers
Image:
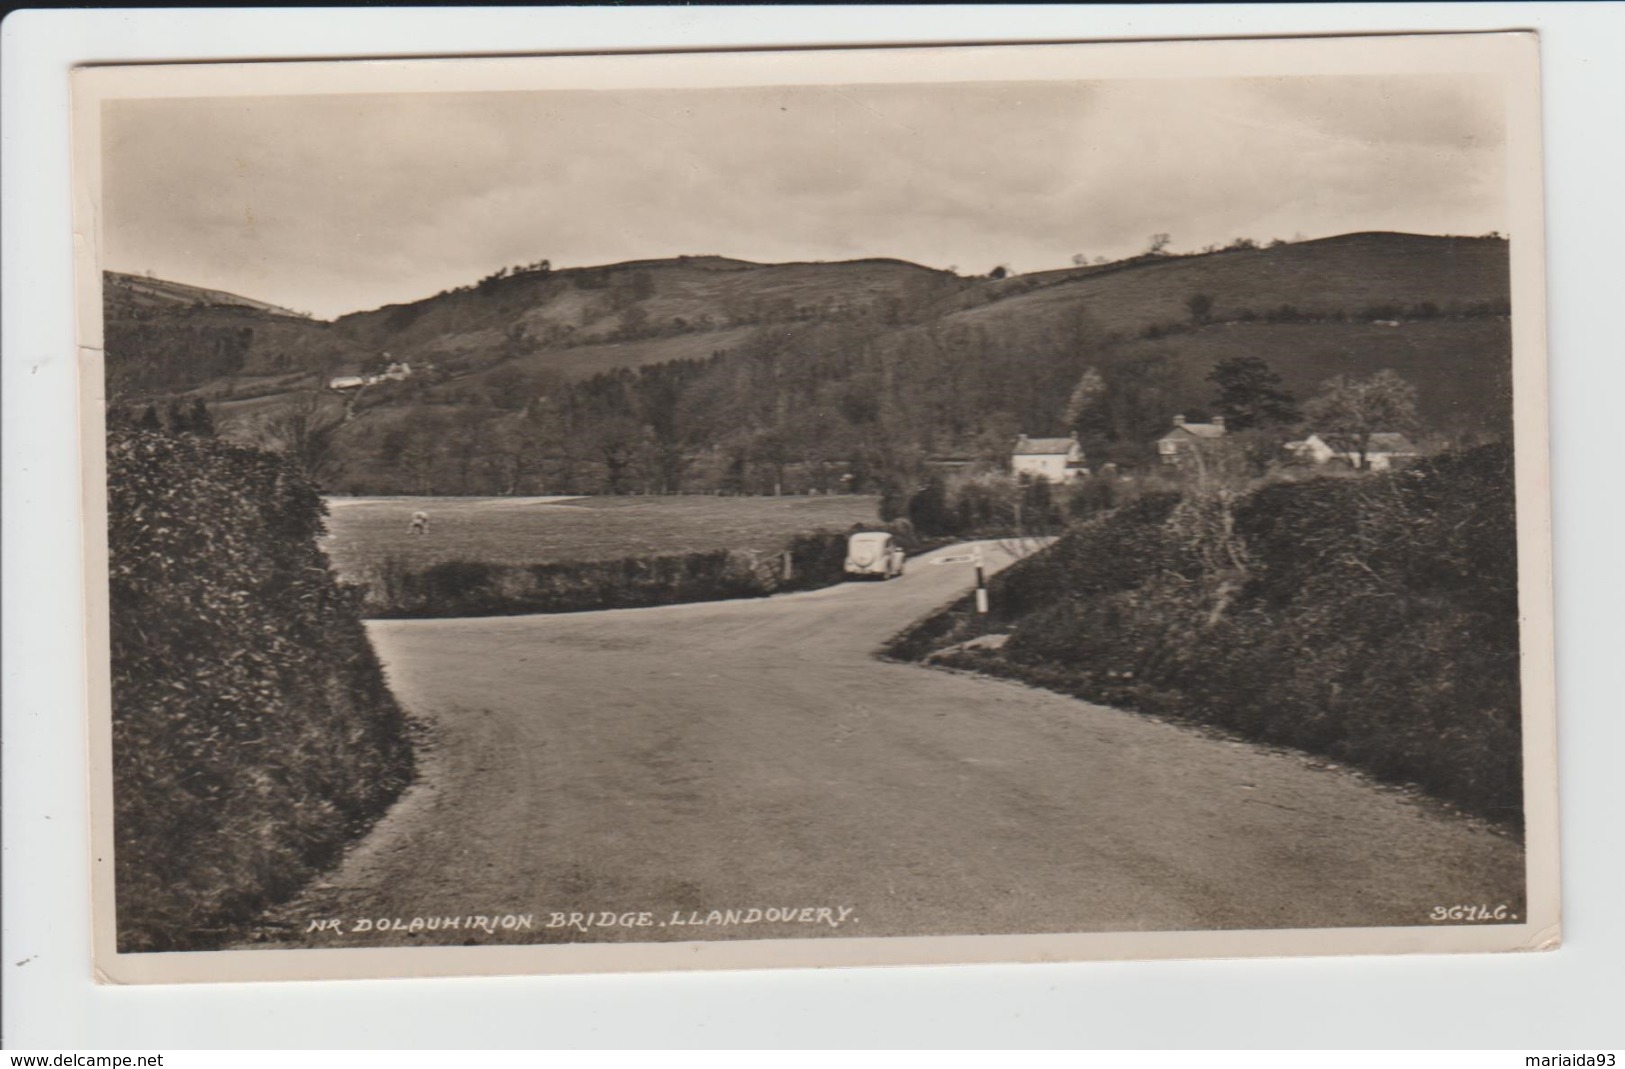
[
  {"x": 1218, "y": 421},
  {"x": 1179, "y": 421}
]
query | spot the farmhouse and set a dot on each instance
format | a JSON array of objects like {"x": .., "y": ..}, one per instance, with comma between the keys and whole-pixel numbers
[
  {"x": 392, "y": 373},
  {"x": 1384, "y": 450},
  {"x": 1055, "y": 460},
  {"x": 1180, "y": 443}
]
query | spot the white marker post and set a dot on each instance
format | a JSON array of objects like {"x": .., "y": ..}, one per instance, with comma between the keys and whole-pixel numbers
[{"x": 973, "y": 557}]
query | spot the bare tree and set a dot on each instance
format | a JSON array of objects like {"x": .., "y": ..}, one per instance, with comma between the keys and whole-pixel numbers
[
  {"x": 1083, "y": 408},
  {"x": 510, "y": 454},
  {"x": 617, "y": 443},
  {"x": 1353, "y": 410},
  {"x": 305, "y": 430}
]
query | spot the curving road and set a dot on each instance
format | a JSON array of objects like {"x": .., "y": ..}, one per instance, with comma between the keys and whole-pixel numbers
[{"x": 754, "y": 755}]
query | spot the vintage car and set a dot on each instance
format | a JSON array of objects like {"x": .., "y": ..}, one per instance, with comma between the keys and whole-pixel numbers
[{"x": 874, "y": 553}]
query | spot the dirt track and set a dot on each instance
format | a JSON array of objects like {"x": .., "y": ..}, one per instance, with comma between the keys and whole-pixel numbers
[{"x": 754, "y": 754}]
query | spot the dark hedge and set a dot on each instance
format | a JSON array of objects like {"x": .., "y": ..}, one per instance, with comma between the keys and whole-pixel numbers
[
  {"x": 479, "y": 588},
  {"x": 1372, "y": 619},
  {"x": 253, "y": 732}
]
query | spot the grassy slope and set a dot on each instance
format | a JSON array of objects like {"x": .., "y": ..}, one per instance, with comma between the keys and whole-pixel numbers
[
  {"x": 1348, "y": 273},
  {"x": 151, "y": 323},
  {"x": 363, "y": 531},
  {"x": 159, "y": 291},
  {"x": 583, "y": 361},
  {"x": 1460, "y": 367},
  {"x": 471, "y": 326}
]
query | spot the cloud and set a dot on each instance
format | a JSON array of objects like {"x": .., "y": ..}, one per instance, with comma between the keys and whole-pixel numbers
[{"x": 337, "y": 203}]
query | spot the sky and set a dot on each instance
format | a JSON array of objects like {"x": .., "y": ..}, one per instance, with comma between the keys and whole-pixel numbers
[{"x": 334, "y": 204}]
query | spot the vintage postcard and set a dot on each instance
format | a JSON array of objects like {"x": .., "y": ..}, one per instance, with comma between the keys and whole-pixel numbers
[{"x": 834, "y": 507}]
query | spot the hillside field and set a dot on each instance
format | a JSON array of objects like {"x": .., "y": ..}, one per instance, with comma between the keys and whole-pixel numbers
[
  {"x": 363, "y": 531},
  {"x": 700, "y": 374},
  {"x": 1461, "y": 368},
  {"x": 1344, "y": 274}
]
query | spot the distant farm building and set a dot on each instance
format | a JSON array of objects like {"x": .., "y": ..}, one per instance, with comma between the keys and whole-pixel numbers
[
  {"x": 1384, "y": 450},
  {"x": 392, "y": 373},
  {"x": 1182, "y": 442},
  {"x": 1055, "y": 460}
]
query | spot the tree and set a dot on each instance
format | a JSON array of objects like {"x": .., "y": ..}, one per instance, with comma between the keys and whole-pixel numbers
[
  {"x": 1084, "y": 408},
  {"x": 1249, "y": 394},
  {"x": 509, "y": 454},
  {"x": 306, "y": 432},
  {"x": 202, "y": 423},
  {"x": 616, "y": 442},
  {"x": 1159, "y": 245},
  {"x": 417, "y": 460},
  {"x": 998, "y": 272},
  {"x": 1140, "y": 399},
  {"x": 772, "y": 449},
  {"x": 1079, "y": 259},
  {"x": 190, "y": 419},
  {"x": 1200, "y": 306},
  {"x": 1352, "y": 410},
  {"x": 928, "y": 508}
]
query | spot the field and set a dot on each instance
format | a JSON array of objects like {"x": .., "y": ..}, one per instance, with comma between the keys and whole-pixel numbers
[
  {"x": 531, "y": 530},
  {"x": 1461, "y": 368},
  {"x": 1348, "y": 274}
]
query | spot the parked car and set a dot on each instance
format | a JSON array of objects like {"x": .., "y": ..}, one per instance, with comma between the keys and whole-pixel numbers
[{"x": 874, "y": 553}]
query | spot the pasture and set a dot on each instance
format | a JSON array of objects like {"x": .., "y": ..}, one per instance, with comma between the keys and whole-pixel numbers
[{"x": 364, "y": 531}]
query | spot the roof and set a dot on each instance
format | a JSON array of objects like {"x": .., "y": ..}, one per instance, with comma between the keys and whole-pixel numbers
[
  {"x": 1030, "y": 447},
  {"x": 1380, "y": 442},
  {"x": 1198, "y": 430}
]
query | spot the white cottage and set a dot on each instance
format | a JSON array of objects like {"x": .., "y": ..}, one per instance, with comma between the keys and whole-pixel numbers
[
  {"x": 1055, "y": 460},
  {"x": 1383, "y": 450}
]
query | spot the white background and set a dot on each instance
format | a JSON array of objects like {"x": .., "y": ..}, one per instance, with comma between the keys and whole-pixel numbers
[{"x": 1569, "y": 999}]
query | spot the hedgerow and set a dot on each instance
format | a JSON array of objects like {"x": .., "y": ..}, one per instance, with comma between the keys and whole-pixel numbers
[
  {"x": 253, "y": 732},
  {"x": 1374, "y": 620},
  {"x": 481, "y": 588}
]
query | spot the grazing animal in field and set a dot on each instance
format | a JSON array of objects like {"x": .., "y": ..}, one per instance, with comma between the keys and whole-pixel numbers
[{"x": 420, "y": 523}]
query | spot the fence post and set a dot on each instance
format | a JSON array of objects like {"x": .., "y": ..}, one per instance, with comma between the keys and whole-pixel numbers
[
  {"x": 787, "y": 569},
  {"x": 981, "y": 584}
]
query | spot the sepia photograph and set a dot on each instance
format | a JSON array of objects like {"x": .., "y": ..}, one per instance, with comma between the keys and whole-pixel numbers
[{"x": 872, "y": 506}]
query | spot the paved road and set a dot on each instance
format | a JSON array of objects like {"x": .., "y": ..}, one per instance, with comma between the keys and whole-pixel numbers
[{"x": 754, "y": 754}]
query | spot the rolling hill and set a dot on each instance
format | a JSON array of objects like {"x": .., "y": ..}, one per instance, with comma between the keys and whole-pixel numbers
[
  {"x": 671, "y": 309},
  {"x": 543, "y": 379},
  {"x": 163, "y": 338},
  {"x": 1348, "y": 274},
  {"x": 149, "y": 292}
]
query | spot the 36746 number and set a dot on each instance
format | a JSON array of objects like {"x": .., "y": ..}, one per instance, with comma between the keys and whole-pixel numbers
[{"x": 1472, "y": 913}]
